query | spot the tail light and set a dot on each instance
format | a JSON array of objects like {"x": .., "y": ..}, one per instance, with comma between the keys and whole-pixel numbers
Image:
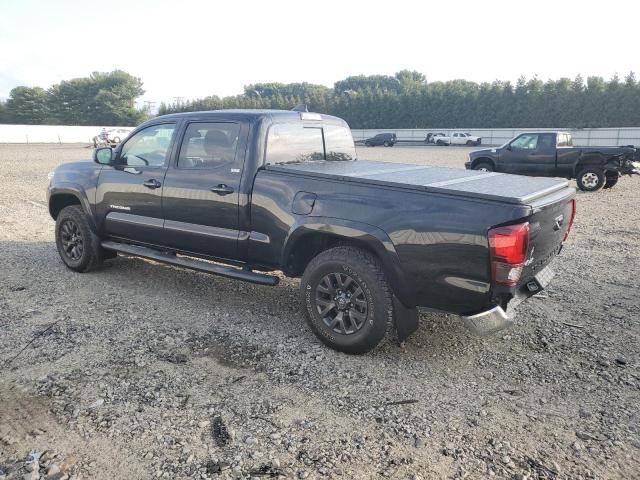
[
  {"x": 573, "y": 217},
  {"x": 508, "y": 248}
]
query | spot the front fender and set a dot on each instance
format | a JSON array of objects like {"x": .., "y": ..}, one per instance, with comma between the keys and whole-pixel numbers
[
  {"x": 373, "y": 237},
  {"x": 69, "y": 188}
]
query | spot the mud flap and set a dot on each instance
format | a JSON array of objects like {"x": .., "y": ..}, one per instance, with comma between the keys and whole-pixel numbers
[{"x": 406, "y": 319}]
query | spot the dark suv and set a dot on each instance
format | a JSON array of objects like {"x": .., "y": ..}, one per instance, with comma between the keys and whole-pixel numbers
[{"x": 386, "y": 139}]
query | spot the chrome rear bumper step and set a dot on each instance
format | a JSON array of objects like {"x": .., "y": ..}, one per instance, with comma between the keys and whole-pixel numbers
[
  {"x": 490, "y": 321},
  {"x": 190, "y": 263}
]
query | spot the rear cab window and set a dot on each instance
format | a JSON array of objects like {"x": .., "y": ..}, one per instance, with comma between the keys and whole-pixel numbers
[
  {"x": 208, "y": 145},
  {"x": 297, "y": 143}
]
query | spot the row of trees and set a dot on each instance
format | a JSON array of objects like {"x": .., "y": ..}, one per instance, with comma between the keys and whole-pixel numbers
[
  {"x": 407, "y": 100},
  {"x": 99, "y": 99},
  {"x": 404, "y": 100}
]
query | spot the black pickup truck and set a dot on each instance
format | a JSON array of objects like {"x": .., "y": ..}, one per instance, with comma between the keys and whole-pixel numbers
[
  {"x": 244, "y": 193},
  {"x": 552, "y": 154}
]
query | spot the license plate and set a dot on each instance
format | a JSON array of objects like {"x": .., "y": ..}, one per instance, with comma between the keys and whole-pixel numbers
[{"x": 544, "y": 276}]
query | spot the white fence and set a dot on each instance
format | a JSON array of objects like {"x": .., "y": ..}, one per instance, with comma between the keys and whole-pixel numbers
[
  {"x": 498, "y": 136},
  {"x": 490, "y": 136},
  {"x": 49, "y": 133}
]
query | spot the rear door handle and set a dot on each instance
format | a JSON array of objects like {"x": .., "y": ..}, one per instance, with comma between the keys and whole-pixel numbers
[
  {"x": 222, "y": 189},
  {"x": 153, "y": 183}
]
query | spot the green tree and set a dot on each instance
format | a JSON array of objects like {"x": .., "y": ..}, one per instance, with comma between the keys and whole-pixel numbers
[
  {"x": 26, "y": 105},
  {"x": 406, "y": 100},
  {"x": 100, "y": 99},
  {"x": 3, "y": 112}
]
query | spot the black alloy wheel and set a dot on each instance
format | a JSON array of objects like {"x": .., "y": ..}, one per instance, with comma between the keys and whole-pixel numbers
[
  {"x": 341, "y": 303},
  {"x": 72, "y": 240}
]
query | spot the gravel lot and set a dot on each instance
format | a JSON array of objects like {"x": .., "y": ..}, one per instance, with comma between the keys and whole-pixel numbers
[{"x": 140, "y": 370}]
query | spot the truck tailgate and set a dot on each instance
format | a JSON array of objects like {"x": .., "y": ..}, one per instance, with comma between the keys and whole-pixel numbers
[
  {"x": 548, "y": 225},
  {"x": 500, "y": 187}
]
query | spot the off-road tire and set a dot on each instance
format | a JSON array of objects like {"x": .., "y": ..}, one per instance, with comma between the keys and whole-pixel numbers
[
  {"x": 73, "y": 219},
  {"x": 484, "y": 166},
  {"x": 366, "y": 272},
  {"x": 590, "y": 179},
  {"x": 611, "y": 178}
]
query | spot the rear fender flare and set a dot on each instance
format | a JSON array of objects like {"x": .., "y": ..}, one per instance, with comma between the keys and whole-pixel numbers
[{"x": 373, "y": 237}]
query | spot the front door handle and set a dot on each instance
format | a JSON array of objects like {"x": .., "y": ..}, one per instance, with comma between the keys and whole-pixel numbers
[
  {"x": 222, "y": 189},
  {"x": 153, "y": 183}
]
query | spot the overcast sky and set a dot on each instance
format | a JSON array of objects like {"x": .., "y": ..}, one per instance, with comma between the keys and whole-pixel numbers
[{"x": 196, "y": 48}]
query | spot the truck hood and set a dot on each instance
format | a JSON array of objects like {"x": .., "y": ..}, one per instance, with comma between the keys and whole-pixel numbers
[
  {"x": 502, "y": 187},
  {"x": 482, "y": 153},
  {"x": 75, "y": 172}
]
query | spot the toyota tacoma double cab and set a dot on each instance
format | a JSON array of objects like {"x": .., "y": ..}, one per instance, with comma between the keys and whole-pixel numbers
[
  {"x": 244, "y": 193},
  {"x": 552, "y": 154}
]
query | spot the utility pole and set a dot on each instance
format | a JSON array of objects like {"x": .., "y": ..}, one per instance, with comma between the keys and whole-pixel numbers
[{"x": 149, "y": 106}]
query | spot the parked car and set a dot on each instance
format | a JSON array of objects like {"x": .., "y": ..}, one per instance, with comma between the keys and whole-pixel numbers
[
  {"x": 456, "y": 138},
  {"x": 116, "y": 135},
  {"x": 386, "y": 139},
  {"x": 431, "y": 137},
  {"x": 552, "y": 154},
  {"x": 110, "y": 137},
  {"x": 259, "y": 191}
]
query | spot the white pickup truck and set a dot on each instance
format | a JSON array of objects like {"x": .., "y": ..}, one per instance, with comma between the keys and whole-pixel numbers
[{"x": 456, "y": 138}]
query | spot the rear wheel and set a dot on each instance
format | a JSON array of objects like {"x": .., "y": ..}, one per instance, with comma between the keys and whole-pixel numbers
[
  {"x": 611, "y": 178},
  {"x": 347, "y": 299},
  {"x": 590, "y": 179},
  {"x": 78, "y": 247},
  {"x": 483, "y": 167}
]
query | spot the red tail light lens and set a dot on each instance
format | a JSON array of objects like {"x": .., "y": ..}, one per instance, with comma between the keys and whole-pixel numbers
[
  {"x": 573, "y": 217},
  {"x": 510, "y": 244},
  {"x": 508, "y": 248}
]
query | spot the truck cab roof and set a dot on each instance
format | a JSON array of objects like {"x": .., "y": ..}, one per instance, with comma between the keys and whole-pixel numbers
[{"x": 276, "y": 116}]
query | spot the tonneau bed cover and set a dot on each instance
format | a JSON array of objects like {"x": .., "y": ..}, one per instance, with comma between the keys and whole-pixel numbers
[{"x": 501, "y": 187}]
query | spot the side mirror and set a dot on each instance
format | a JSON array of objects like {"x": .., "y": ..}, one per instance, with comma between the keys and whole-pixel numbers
[
  {"x": 508, "y": 147},
  {"x": 103, "y": 156}
]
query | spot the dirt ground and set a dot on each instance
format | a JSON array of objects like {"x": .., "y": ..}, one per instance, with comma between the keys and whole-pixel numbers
[{"x": 140, "y": 370}]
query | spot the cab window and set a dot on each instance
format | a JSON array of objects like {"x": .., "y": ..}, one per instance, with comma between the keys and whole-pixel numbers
[
  {"x": 149, "y": 147},
  {"x": 526, "y": 142},
  {"x": 545, "y": 142},
  {"x": 338, "y": 143},
  {"x": 294, "y": 143},
  {"x": 208, "y": 145}
]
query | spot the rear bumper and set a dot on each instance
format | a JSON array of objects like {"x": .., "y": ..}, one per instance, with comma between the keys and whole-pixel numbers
[
  {"x": 491, "y": 321},
  {"x": 496, "y": 318}
]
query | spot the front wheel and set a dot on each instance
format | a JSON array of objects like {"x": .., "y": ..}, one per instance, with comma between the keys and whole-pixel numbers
[
  {"x": 347, "y": 299},
  {"x": 483, "y": 167},
  {"x": 590, "y": 179},
  {"x": 78, "y": 247}
]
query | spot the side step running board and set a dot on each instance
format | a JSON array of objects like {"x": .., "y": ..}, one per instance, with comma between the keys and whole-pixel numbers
[{"x": 199, "y": 265}]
